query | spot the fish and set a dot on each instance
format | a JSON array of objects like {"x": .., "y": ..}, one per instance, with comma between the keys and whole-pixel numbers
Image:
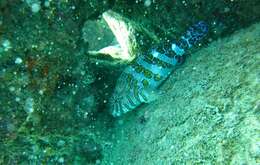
[{"x": 140, "y": 80}]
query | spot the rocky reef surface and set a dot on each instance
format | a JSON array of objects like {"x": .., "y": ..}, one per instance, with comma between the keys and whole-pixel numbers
[{"x": 209, "y": 112}]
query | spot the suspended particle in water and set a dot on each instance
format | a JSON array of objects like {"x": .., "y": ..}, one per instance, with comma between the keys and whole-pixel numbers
[
  {"x": 29, "y": 105},
  {"x": 36, "y": 7},
  {"x": 18, "y": 60},
  {"x": 147, "y": 3}
]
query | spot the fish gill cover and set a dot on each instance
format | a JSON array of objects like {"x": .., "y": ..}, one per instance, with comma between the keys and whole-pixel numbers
[{"x": 60, "y": 60}]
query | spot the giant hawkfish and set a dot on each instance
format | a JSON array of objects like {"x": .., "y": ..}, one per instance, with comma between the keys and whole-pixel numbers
[{"x": 143, "y": 76}]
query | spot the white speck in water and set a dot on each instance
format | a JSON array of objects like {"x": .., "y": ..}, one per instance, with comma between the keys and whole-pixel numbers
[
  {"x": 41, "y": 92},
  {"x": 47, "y": 3},
  {"x": 61, "y": 143},
  {"x": 147, "y": 3},
  {"x": 85, "y": 115},
  {"x": 98, "y": 161},
  {"x": 17, "y": 99},
  {"x": 82, "y": 73},
  {"x": 61, "y": 160},
  {"x": 29, "y": 103},
  {"x": 11, "y": 89},
  {"x": 6, "y": 45},
  {"x": 18, "y": 60},
  {"x": 36, "y": 7}
]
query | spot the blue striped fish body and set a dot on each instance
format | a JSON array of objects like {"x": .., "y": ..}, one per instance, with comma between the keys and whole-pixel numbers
[{"x": 147, "y": 72}]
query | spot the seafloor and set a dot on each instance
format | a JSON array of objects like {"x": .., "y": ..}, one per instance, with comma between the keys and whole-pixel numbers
[{"x": 55, "y": 84}]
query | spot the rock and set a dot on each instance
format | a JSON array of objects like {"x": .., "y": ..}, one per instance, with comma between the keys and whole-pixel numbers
[
  {"x": 90, "y": 150},
  {"x": 168, "y": 19},
  {"x": 191, "y": 123}
]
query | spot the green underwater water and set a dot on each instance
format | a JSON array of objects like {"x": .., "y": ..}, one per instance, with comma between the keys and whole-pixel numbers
[{"x": 55, "y": 85}]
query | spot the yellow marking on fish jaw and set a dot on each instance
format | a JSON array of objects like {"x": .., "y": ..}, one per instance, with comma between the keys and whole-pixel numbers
[
  {"x": 138, "y": 69},
  {"x": 147, "y": 73},
  {"x": 149, "y": 58},
  {"x": 129, "y": 80},
  {"x": 136, "y": 93},
  {"x": 157, "y": 77},
  {"x": 145, "y": 83}
]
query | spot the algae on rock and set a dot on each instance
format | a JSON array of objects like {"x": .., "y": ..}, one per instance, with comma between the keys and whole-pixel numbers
[{"x": 46, "y": 88}]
